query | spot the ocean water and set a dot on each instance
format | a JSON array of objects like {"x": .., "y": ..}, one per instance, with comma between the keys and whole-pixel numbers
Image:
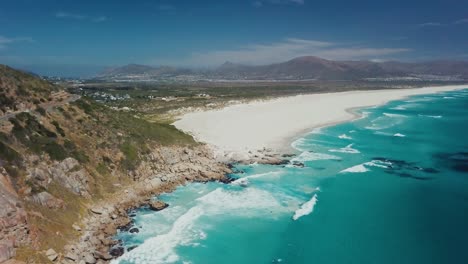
[{"x": 391, "y": 187}]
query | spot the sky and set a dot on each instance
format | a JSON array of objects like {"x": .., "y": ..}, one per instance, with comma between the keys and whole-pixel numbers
[{"x": 74, "y": 38}]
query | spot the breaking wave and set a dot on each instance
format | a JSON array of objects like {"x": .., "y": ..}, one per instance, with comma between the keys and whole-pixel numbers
[
  {"x": 306, "y": 208},
  {"x": 309, "y": 156},
  {"x": 344, "y": 136},
  {"x": 347, "y": 149},
  {"x": 355, "y": 169}
]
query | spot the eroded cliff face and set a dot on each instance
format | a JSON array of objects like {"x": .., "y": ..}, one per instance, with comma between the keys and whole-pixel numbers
[
  {"x": 70, "y": 167},
  {"x": 50, "y": 184},
  {"x": 13, "y": 219}
]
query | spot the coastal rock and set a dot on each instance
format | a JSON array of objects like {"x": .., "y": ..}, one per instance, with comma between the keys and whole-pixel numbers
[
  {"x": 134, "y": 230},
  {"x": 89, "y": 258},
  {"x": 116, "y": 251},
  {"x": 51, "y": 254},
  {"x": 157, "y": 205},
  {"x": 96, "y": 210},
  {"x": 71, "y": 256}
]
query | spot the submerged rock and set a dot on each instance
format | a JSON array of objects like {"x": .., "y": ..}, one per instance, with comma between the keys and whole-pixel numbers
[
  {"x": 116, "y": 251},
  {"x": 134, "y": 230}
]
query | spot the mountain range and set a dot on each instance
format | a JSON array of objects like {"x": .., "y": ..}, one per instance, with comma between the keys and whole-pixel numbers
[{"x": 303, "y": 68}]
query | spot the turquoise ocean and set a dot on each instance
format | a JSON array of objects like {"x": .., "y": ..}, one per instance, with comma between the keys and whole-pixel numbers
[{"x": 390, "y": 187}]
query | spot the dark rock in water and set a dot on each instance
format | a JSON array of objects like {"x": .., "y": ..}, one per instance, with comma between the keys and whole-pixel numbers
[
  {"x": 157, "y": 205},
  {"x": 116, "y": 251},
  {"x": 407, "y": 175},
  {"x": 288, "y": 155},
  {"x": 319, "y": 168},
  {"x": 461, "y": 167},
  {"x": 126, "y": 228},
  {"x": 430, "y": 170},
  {"x": 131, "y": 213},
  {"x": 455, "y": 161},
  {"x": 298, "y": 164},
  {"x": 228, "y": 179},
  {"x": 134, "y": 230},
  {"x": 131, "y": 248}
]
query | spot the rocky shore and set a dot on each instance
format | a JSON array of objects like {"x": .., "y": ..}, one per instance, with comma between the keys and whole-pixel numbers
[{"x": 165, "y": 170}]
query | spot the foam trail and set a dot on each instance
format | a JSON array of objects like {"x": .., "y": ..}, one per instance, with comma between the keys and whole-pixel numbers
[
  {"x": 306, "y": 208},
  {"x": 309, "y": 156},
  {"x": 250, "y": 202},
  {"x": 431, "y": 116},
  {"x": 355, "y": 169},
  {"x": 344, "y": 136},
  {"x": 245, "y": 180},
  {"x": 399, "y": 135},
  {"x": 347, "y": 149},
  {"x": 393, "y": 115}
]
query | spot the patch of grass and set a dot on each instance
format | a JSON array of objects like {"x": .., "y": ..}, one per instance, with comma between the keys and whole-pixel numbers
[
  {"x": 102, "y": 169},
  {"x": 130, "y": 152},
  {"x": 36, "y": 137},
  {"x": 135, "y": 128}
]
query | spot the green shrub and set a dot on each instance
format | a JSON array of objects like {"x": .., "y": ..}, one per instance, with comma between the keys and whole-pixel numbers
[{"x": 8, "y": 154}]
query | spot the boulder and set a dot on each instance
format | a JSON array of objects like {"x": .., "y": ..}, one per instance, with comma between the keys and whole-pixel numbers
[
  {"x": 48, "y": 200},
  {"x": 89, "y": 258},
  {"x": 71, "y": 256},
  {"x": 96, "y": 210},
  {"x": 157, "y": 205},
  {"x": 51, "y": 254}
]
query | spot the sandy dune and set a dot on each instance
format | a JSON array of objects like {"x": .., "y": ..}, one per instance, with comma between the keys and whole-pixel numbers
[{"x": 235, "y": 130}]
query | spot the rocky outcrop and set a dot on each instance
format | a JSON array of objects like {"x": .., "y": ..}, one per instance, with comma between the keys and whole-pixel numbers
[
  {"x": 13, "y": 219},
  {"x": 157, "y": 205},
  {"x": 162, "y": 170},
  {"x": 69, "y": 173},
  {"x": 48, "y": 200}
]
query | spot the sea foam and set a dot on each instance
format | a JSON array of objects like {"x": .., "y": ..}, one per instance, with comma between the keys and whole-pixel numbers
[
  {"x": 355, "y": 169},
  {"x": 344, "y": 136},
  {"x": 306, "y": 208},
  {"x": 348, "y": 149},
  {"x": 309, "y": 156}
]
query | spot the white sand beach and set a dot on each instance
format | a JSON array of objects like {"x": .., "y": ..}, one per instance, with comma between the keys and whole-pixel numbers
[{"x": 235, "y": 130}]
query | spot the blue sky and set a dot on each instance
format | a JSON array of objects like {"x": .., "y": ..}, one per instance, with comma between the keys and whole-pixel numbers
[{"x": 67, "y": 36}]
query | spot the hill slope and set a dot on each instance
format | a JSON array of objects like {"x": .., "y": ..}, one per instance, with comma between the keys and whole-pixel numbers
[
  {"x": 305, "y": 68},
  {"x": 58, "y": 162}
]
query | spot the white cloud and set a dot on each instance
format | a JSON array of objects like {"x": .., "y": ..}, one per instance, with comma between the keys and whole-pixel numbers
[
  {"x": 4, "y": 41},
  {"x": 461, "y": 21},
  {"x": 260, "y": 3},
  {"x": 165, "y": 7},
  {"x": 258, "y": 54},
  {"x": 430, "y": 24},
  {"x": 67, "y": 15},
  {"x": 62, "y": 14}
]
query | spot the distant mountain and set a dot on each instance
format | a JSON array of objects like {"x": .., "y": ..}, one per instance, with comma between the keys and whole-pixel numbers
[
  {"x": 307, "y": 68},
  {"x": 136, "y": 69}
]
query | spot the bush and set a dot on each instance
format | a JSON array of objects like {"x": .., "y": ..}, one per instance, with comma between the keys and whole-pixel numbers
[
  {"x": 41, "y": 111},
  {"x": 8, "y": 154}
]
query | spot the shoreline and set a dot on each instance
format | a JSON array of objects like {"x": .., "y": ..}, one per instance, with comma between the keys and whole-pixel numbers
[
  {"x": 96, "y": 242},
  {"x": 246, "y": 132}
]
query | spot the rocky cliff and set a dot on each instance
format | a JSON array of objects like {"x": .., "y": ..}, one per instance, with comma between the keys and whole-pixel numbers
[{"x": 69, "y": 172}]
